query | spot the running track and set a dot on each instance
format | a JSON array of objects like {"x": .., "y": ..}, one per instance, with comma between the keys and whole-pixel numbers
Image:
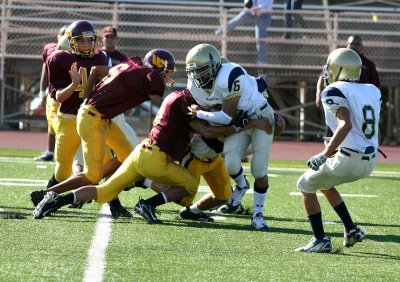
[{"x": 281, "y": 150}]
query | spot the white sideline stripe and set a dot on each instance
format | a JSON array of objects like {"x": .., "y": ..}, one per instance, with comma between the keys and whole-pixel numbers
[
  {"x": 343, "y": 195},
  {"x": 22, "y": 184},
  {"x": 1, "y": 210},
  {"x": 95, "y": 264}
]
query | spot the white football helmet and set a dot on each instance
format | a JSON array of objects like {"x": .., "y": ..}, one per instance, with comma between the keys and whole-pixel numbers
[
  {"x": 202, "y": 65},
  {"x": 343, "y": 64}
]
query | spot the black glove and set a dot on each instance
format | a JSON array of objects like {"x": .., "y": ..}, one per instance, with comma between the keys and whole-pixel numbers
[{"x": 240, "y": 119}]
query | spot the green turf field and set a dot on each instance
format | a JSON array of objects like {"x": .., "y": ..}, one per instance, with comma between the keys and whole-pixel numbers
[{"x": 57, "y": 248}]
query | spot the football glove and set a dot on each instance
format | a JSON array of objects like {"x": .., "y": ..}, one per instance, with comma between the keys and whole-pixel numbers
[
  {"x": 240, "y": 119},
  {"x": 316, "y": 161}
]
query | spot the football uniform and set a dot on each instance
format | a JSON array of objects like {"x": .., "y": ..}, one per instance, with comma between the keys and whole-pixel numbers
[
  {"x": 355, "y": 157},
  {"x": 233, "y": 81},
  {"x": 154, "y": 157},
  {"x": 67, "y": 138},
  {"x": 204, "y": 161},
  {"x": 128, "y": 85},
  {"x": 51, "y": 104}
]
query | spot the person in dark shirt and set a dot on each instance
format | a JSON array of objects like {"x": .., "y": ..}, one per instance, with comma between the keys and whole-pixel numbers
[
  {"x": 153, "y": 158},
  {"x": 109, "y": 40}
]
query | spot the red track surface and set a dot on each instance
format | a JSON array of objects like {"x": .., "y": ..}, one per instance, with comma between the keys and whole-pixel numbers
[{"x": 281, "y": 150}]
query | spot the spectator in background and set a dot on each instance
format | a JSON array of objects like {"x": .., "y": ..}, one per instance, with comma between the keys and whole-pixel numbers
[
  {"x": 369, "y": 73},
  {"x": 291, "y": 5},
  {"x": 259, "y": 13},
  {"x": 109, "y": 40}
]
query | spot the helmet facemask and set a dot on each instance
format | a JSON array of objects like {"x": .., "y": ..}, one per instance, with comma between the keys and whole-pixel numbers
[
  {"x": 203, "y": 75},
  {"x": 83, "y": 49}
]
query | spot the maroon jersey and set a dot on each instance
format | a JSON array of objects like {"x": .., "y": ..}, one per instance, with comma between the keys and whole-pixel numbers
[
  {"x": 47, "y": 50},
  {"x": 116, "y": 56},
  {"x": 58, "y": 67},
  {"x": 128, "y": 84},
  {"x": 172, "y": 131}
]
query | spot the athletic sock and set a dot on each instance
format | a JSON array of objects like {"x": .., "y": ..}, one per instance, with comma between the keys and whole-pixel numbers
[
  {"x": 195, "y": 209},
  {"x": 259, "y": 199},
  {"x": 239, "y": 178},
  {"x": 316, "y": 225},
  {"x": 66, "y": 199},
  {"x": 344, "y": 215},
  {"x": 157, "y": 200},
  {"x": 115, "y": 203}
]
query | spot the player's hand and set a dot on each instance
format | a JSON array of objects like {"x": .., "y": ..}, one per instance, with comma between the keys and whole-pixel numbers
[
  {"x": 262, "y": 124},
  {"x": 75, "y": 74},
  {"x": 316, "y": 161},
  {"x": 193, "y": 109}
]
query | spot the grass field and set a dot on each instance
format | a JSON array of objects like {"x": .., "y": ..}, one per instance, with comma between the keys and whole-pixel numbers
[{"x": 60, "y": 247}]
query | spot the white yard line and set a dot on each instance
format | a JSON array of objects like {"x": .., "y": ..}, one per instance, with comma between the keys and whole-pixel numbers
[{"x": 95, "y": 265}]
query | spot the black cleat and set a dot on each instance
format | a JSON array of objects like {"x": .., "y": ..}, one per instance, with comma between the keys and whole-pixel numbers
[
  {"x": 139, "y": 183},
  {"x": 185, "y": 213},
  {"x": 36, "y": 196},
  {"x": 44, "y": 158},
  {"x": 354, "y": 236},
  {"x": 147, "y": 212},
  {"x": 46, "y": 206}
]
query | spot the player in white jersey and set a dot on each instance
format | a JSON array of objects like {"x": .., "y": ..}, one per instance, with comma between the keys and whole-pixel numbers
[
  {"x": 352, "y": 112},
  {"x": 215, "y": 81}
]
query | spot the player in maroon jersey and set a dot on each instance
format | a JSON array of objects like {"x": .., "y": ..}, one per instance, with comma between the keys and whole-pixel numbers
[
  {"x": 43, "y": 99},
  {"x": 153, "y": 158},
  {"x": 126, "y": 85}
]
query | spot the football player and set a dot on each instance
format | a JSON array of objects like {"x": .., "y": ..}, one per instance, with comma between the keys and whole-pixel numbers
[
  {"x": 153, "y": 158},
  {"x": 352, "y": 112},
  {"x": 44, "y": 98},
  {"x": 213, "y": 80}
]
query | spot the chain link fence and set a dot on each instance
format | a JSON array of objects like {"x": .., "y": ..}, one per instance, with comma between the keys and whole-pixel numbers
[{"x": 293, "y": 65}]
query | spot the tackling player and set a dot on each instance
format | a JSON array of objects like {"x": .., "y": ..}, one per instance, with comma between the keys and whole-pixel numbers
[
  {"x": 153, "y": 158},
  {"x": 352, "y": 112}
]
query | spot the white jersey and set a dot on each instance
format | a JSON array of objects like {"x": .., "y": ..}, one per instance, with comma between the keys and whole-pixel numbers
[
  {"x": 232, "y": 81},
  {"x": 364, "y": 104}
]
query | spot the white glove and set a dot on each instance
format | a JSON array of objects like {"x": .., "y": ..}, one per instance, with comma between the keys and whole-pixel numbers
[{"x": 316, "y": 161}]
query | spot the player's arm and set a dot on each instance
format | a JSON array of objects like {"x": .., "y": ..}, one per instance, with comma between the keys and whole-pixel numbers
[
  {"x": 97, "y": 73},
  {"x": 44, "y": 82},
  {"x": 65, "y": 93},
  {"x": 209, "y": 131},
  {"x": 320, "y": 87},
  {"x": 344, "y": 127},
  {"x": 156, "y": 100}
]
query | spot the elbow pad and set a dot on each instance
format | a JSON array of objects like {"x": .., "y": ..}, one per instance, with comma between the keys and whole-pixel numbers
[{"x": 215, "y": 117}]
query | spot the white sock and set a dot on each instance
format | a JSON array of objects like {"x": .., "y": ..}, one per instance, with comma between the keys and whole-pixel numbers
[
  {"x": 74, "y": 196},
  {"x": 259, "y": 200},
  {"x": 240, "y": 181},
  {"x": 194, "y": 209},
  {"x": 147, "y": 182}
]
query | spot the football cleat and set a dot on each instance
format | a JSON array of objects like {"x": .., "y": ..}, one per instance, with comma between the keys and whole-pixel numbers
[
  {"x": 36, "y": 196},
  {"x": 147, "y": 212},
  {"x": 258, "y": 223},
  {"x": 119, "y": 211},
  {"x": 238, "y": 209},
  {"x": 185, "y": 213},
  {"x": 139, "y": 183},
  {"x": 78, "y": 205},
  {"x": 238, "y": 194},
  {"x": 47, "y": 205},
  {"x": 315, "y": 245},
  {"x": 354, "y": 236},
  {"x": 46, "y": 157}
]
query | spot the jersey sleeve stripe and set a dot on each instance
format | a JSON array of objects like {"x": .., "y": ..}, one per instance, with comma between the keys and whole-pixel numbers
[
  {"x": 235, "y": 73},
  {"x": 334, "y": 92}
]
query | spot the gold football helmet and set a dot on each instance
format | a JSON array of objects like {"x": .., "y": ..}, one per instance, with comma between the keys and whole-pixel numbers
[
  {"x": 202, "y": 65},
  {"x": 343, "y": 64}
]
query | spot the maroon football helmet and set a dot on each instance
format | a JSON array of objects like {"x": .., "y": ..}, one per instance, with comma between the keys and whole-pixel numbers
[
  {"x": 164, "y": 62},
  {"x": 82, "y": 38}
]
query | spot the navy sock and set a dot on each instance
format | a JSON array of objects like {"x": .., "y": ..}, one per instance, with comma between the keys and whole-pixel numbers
[
  {"x": 344, "y": 215},
  {"x": 316, "y": 225},
  {"x": 156, "y": 200},
  {"x": 115, "y": 203}
]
